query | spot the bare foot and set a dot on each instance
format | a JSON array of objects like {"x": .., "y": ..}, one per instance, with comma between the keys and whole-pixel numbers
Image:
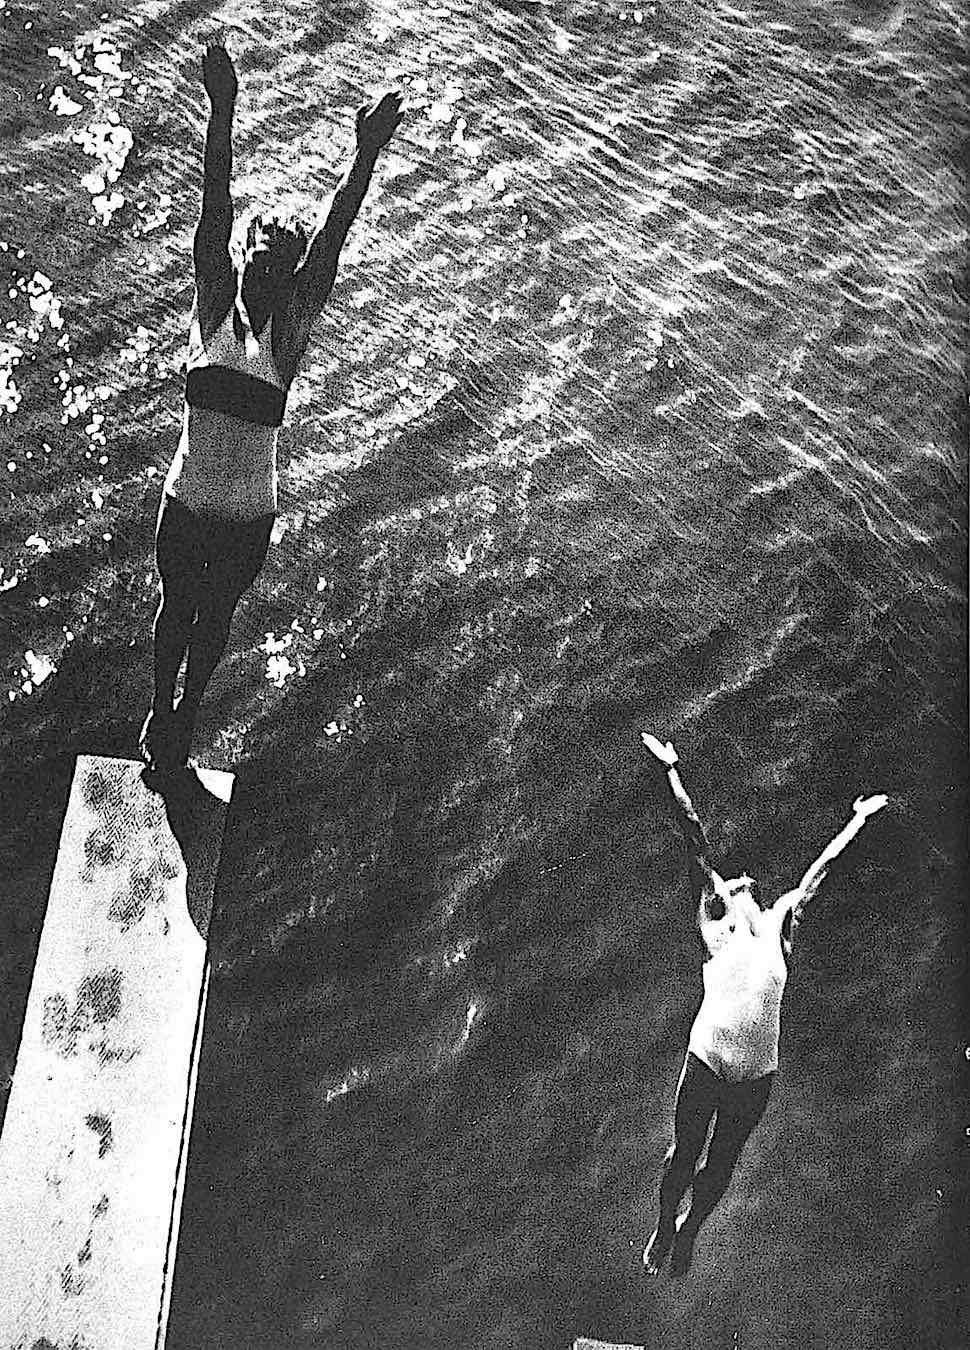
[
  {"x": 683, "y": 1248},
  {"x": 153, "y": 741},
  {"x": 657, "y": 1249},
  {"x": 159, "y": 743}
]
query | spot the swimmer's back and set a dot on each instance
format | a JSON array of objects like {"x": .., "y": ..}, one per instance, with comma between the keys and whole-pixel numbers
[
  {"x": 737, "y": 1028},
  {"x": 226, "y": 462}
]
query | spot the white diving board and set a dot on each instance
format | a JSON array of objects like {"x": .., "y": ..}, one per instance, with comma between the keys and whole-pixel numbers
[{"x": 94, "y": 1144}]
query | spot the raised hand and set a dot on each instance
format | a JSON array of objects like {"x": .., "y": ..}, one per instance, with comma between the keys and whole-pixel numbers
[
  {"x": 664, "y": 752},
  {"x": 868, "y": 806},
  {"x": 218, "y": 75},
  {"x": 376, "y": 124}
]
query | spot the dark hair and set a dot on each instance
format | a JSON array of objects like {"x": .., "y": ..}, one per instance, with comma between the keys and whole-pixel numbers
[{"x": 280, "y": 228}]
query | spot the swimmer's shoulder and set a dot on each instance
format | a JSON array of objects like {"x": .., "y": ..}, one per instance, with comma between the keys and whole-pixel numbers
[{"x": 715, "y": 928}]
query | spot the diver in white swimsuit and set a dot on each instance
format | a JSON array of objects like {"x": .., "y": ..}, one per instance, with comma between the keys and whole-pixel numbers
[
  {"x": 247, "y": 336},
  {"x": 732, "y": 1053}
]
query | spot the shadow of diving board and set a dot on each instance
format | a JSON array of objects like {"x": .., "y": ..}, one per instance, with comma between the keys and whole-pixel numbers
[{"x": 93, "y": 1153}]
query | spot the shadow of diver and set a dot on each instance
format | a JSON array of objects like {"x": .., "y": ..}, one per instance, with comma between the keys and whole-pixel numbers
[{"x": 196, "y": 817}]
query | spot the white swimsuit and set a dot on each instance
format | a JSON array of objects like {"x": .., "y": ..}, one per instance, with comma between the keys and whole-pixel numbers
[
  {"x": 225, "y": 464},
  {"x": 737, "y": 1028}
]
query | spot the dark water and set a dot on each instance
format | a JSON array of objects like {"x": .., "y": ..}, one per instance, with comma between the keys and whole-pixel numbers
[{"x": 640, "y": 403}]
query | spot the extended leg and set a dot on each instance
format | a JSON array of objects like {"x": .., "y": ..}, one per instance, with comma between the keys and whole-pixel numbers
[
  {"x": 237, "y": 553},
  {"x": 181, "y": 568},
  {"x": 696, "y": 1103},
  {"x": 173, "y": 624},
  {"x": 207, "y": 642},
  {"x": 741, "y": 1108}
]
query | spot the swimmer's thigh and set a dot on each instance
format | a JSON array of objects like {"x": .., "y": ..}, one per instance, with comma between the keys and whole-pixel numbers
[
  {"x": 698, "y": 1095},
  {"x": 180, "y": 552},
  {"x": 236, "y": 551},
  {"x": 742, "y": 1106}
]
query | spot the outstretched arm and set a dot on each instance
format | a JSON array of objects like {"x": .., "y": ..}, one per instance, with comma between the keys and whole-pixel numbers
[
  {"x": 214, "y": 275},
  {"x": 315, "y": 277},
  {"x": 702, "y": 874},
  {"x": 794, "y": 902}
]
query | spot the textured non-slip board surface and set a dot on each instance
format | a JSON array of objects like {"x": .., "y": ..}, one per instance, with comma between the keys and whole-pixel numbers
[{"x": 92, "y": 1153}]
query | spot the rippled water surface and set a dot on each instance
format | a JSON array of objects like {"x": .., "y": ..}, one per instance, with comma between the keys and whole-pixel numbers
[{"x": 639, "y": 402}]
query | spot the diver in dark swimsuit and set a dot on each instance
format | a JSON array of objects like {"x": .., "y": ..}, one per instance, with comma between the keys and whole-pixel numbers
[{"x": 247, "y": 337}]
